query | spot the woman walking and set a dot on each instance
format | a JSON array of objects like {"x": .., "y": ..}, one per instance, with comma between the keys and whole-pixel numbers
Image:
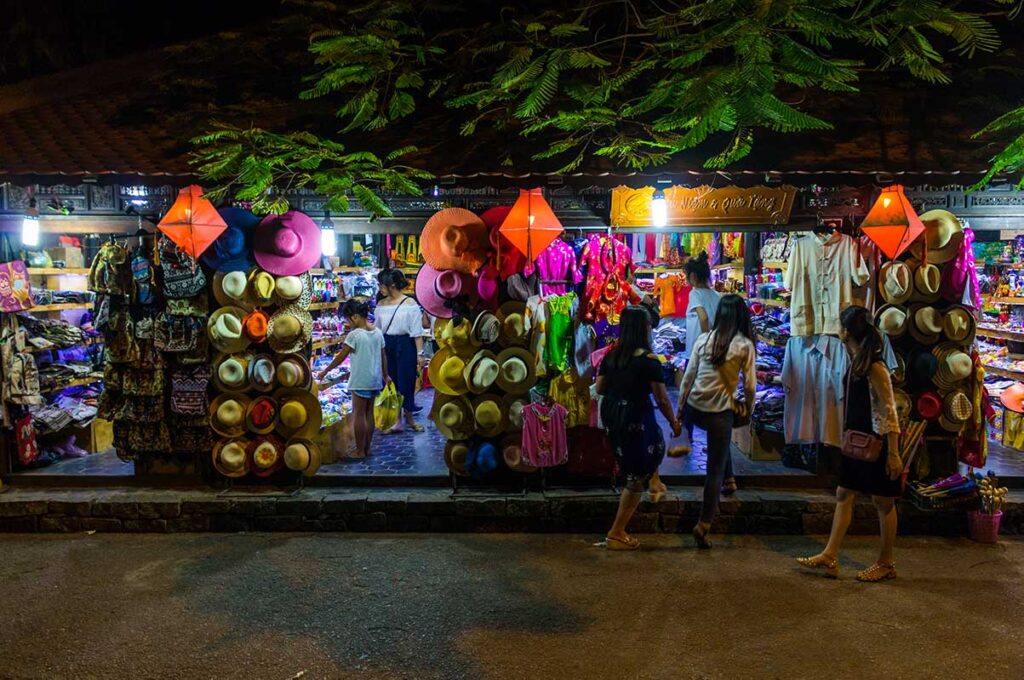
[
  {"x": 401, "y": 320},
  {"x": 627, "y": 378},
  {"x": 708, "y": 396},
  {"x": 870, "y": 408}
]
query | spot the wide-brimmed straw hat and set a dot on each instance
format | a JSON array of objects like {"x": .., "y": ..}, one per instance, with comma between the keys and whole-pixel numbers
[
  {"x": 957, "y": 409},
  {"x": 486, "y": 329},
  {"x": 225, "y": 330},
  {"x": 892, "y": 320},
  {"x": 927, "y": 279},
  {"x": 895, "y": 282},
  {"x": 944, "y": 235},
  {"x": 298, "y": 413},
  {"x": 925, "y": 324},
  {"x": 453, "y": 416},
  {"x": 455, "y": 454},
  {"x": 302, "y": 455},
  {"x": 517, "y": 370},
  {"x": 446, "y": 371},
  {"x": 481, "y": 371},
  {"x": 515, "y": 326},
  {"x": 488, "y": 416},
  {"x": 294, "y": 290},
  {"x": 289, "y": 329},
  {"x": 292, "y": 370},
  {"x": 959, "y": 325},
  {"x": 954, "y": 366},
  {"x": 231, "y": 289},
  {"x": 231, "y": 371},
  {"x": 512, "y": 455},
  {"x": 455, "y": 336},
  {"x": 227, "y": 414},
  {"x": 262, "y": 372},
  {"x": 231, "y": 457},
  {"x": 454, "y": 238}
]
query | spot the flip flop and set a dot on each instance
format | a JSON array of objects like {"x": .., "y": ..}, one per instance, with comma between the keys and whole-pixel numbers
[{"x": 631, "y": 543}]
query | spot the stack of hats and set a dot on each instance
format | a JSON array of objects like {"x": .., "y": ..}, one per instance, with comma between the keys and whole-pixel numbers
[{"x": 264, "y": 410}]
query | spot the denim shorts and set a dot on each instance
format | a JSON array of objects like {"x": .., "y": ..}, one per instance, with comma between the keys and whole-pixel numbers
[{"x": 366, "y": 394}]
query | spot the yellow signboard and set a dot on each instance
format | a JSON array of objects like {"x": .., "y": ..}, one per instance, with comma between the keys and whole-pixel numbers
[{"x": 704, "y": 206}]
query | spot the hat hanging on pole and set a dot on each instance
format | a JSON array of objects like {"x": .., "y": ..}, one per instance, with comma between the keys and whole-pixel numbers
[
  {"x": 892, "y": 222},
  {"x": 192, "y": 222},
  {"x": 531, "y": 225}
]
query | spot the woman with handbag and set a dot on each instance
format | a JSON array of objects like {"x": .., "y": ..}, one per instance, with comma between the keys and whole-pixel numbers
[
  {"x": 402, "y": 320},
  {"x": 627, "y": 378},
  {"x": 709, "y": 387},
  {"x": 870, "y": 463}
]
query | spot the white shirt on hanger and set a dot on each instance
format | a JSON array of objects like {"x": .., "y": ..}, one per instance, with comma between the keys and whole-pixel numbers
[{"x": 822, "y": 273}]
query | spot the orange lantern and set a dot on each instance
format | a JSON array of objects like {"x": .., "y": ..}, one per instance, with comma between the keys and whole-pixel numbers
[
  {"x": 531, "y": 225},
  {"x": 192, "y": 222},
  {"x": 892, "y": 222}
]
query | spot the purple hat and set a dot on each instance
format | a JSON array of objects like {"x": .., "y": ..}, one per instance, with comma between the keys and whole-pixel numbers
[
  {"x": 436, "y": 289},
  {"x": 231, "y": 251},
  {"x": 288, "y": 244}
]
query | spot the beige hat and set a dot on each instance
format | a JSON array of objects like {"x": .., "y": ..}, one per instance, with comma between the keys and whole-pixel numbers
[
  {"x": 446, "y": 371},
  {"x": 959, "y": 325},
  {"x": 892, "y": 320},
  {"x": 517, "y": 371},
  {"x": 925, "y": 324},
  {"x": 481, "y": 371},
  {"x": 226, "y": 331},
  {"x": 515, "y": 326},
  {"x": 297, "y": 290},
  {"x": 486, "y": 329},
  {"x": 944, "y": 235},
  {"x": 289, "y": 329},
  {"x": 954, "y": 366},
  {"x": 927, "y": 279},
  {"x": 232, "y": 373},
  {"x": 512, "y": 454},
  {"x": 230, "y": 457},
  {"x": 302, "y": 455},
  {"x": 227, "y": 414},
  {"x": 453, "y": 416},
  {"x": 293, "y": 371},
  {"x": 455, "y": 454},
  {"x": 512, "y": 406},
  {"x": 895, "y": 282},
  {"x": 487, "y": 413},
  {"x": 230, "y": 289}
]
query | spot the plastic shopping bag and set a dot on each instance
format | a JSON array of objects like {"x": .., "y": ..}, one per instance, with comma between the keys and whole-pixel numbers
[{"x": 386, "y": 408}]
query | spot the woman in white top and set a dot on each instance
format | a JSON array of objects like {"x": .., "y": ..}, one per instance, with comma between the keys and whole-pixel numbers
[
  {"x": 703, "y": 302},
  {"x": 708, "y": 401},
  {"x": 400, "y": 318}
]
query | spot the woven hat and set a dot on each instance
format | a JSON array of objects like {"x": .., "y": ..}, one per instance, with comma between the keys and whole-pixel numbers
[
  {"x": 925, "y": 324},
  {"x": 453, "y": 416},
  {"x": 515, "y": 327},
  {"x": 454, "y": 238},
  {"x": 261, "y": 415},
  {"x": 1013, "y": 397},
  {"x": 302, "y": 455},
  {"x": 486, "y": 329},
  {"x": 517, "y": 370},
  {"x": 438, "y": 291},
  {"x": 512, "y": 406},
  {"x": 959, "y": 325},
  {"x": 230, "y": 289},
  {"x": 954, "y": 366},
  {"x": 289, "y": 329},
  {"x": 232, "y": 372},
  {"x": 892, "y": 320},
  {"x": 254, "y": 325},
  {"x": 895, "y": 282},
  {"x": 231, "y": 251},
  {"x": 224, "y": 328},
  {"x": 927, "y": 279},
  {"x": 512, "y": 455},
  {"x": 231, "y": 457},
  {"x": 286, "y": 245},
  {"x": 455, "y": 454},
  {"x": 261, "y": 373},
  {"x": 295, "y": 289},
  {"x": 227, "y": 414},
  {"x": 298, "y": 413},
  {"x": 293, "y": 371},
  {"x": 929, "y": 405},
  {"x": 904, "y": 405},
  {"x": 481, "y": 371},
  {"x": 455, "y": 336},
  {"x": 446, "y": 371},
  {"x": 488, "y": 416},
  {"x": 267, "y": 455},
  {"x": 944, "y": 235},
  {"x": 957, "y": 407}
]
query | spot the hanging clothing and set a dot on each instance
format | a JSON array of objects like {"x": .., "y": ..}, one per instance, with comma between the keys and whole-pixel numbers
[
  {"x": 544, "y": 440},
  {"x": 665, "y": 291},
  {"x": 812, "y": 376},
  {"x": 558, "y": 344},
  {"x": 537, "y": 324},
  {"x": 700, "y": 243},
  {"x": 708, "y": 300},
  {"x": 556, "y": 263},
  {"x": 637, "y": 243},
  {"x": 608, "y": 265},
  {"x": 574, "y": 394},
  {"x": 602, "y": 258},
  {"x": 822, "y": 273},
  {"x": 867, "y": 295}
]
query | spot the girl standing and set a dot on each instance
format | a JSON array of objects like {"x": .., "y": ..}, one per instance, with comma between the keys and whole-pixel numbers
[
  {"x": 368, "y": 370},
  {"x": 401, "y": 319},
  {"x": 870, "y": 408},
  {"x": 708, "y": 400}
]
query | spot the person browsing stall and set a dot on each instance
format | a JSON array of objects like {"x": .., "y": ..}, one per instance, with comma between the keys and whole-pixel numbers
[
  {"x": 401, "y": 319},
  {"x": 368, "y": 370}
]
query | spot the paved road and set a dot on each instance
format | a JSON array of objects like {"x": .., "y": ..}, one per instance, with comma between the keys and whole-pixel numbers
[{"x": 490, "y": 606}]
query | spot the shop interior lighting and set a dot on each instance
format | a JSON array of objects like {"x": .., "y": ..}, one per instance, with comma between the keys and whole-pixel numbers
[
  {"x": 659, "y": 209},
  {"x": 328, "y": 237}
]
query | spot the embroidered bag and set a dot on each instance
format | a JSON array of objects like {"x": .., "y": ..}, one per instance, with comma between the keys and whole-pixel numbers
[
  {"x": 182, "y": 275},
  {"x": 15, "y": 289}
]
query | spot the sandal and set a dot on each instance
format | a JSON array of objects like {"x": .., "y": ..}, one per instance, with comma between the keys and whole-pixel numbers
[
  {"x": 415, "y": 427},
  {"x": 729, "y": 487},
  {"x": 628, "y": 543},
  {"x": 395, "y": 430},
  {"x": 821, "y": 561},
  {"x": 879, "y": 571},
  {"x": 700, "y": 537},
  {"x": 658, "y": 493}
]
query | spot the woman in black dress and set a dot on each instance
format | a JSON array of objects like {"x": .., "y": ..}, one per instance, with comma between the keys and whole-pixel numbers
[
  {"x": 870, "y": 408},
  {"x": 627, "y": 378}
]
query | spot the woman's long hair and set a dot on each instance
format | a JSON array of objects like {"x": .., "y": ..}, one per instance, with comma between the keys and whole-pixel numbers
[
  {"x": 697, "y": 269},
  {"x": 634, "y": 334},
  {"x": 857, "y": 322},
  {"x": 731, "y": 318}
]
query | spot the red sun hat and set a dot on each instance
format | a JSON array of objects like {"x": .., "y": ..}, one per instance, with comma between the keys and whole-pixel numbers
[{"x": 929, "y": 405}]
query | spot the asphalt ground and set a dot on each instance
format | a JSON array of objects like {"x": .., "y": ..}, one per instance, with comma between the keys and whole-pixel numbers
[{"x": 307, "y": 606}]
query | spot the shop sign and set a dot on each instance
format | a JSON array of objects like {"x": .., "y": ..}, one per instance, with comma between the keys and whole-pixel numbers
[{"x": 704, "y": 206}]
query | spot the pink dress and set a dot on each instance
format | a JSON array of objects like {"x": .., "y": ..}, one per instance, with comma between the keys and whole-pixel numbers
[
  {"x": 557, "y": 262},
  {"x": 544, "y": 441}
]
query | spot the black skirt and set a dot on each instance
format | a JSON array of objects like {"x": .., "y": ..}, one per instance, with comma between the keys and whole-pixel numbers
[{"x": 870, "y": 478}]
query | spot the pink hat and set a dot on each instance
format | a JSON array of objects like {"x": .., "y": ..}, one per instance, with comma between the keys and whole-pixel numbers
[
  {"x": 436, "y": 289},
  {"x": 487, "y": 286},
  {"x": 288, "y": 244}
]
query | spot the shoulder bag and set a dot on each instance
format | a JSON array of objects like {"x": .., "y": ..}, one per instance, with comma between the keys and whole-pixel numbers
[{"x": 863, "y": 446}]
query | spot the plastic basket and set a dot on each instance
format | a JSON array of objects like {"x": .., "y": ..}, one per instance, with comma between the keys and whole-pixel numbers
[{"x": 982, "y": 527}]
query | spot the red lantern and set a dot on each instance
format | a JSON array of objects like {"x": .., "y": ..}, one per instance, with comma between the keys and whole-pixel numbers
[
  {"x": 192, "y": 222},
  {"x": 892, "y": 222},
  {"x": 531, "y": 225}
]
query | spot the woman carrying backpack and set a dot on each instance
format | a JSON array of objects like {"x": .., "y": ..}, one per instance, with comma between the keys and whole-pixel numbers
[
  {"x": 627, "y": 378},
  {"x": 709, "y": 402}
]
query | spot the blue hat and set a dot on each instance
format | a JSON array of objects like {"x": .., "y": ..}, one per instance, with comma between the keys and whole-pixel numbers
[
  {"x": 232, "y": 251},
  {"x": 482, "y": 460}
]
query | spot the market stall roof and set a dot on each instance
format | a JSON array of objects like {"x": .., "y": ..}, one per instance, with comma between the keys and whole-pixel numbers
[{"x": 129, "y": 121}]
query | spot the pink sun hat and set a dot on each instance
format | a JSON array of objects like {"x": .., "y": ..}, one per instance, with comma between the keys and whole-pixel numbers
[
  {"x": 288, "y": 244},
  {"x": 435, "y": 290}
]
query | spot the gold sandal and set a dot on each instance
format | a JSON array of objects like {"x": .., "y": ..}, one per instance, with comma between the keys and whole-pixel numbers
[
  {"x": 821, "y": 561},
  {"x": 879, "y": 571},
  {"x": 629, "y": 543}
]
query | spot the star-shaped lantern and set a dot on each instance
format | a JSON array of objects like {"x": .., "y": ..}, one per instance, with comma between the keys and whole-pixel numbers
[
  {"x": 192, "y": 222},
  {"x": 892, "y": 222},
  {"x": 531, "y": 225}
]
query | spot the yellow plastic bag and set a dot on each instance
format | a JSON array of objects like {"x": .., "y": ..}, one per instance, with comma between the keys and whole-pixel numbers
[{"x": 386, "y": 408}]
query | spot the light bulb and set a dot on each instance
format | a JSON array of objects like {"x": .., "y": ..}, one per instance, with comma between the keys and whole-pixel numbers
[
  {"x": 30, "y": 232},
  {"x": 328, "y": 242},
  {"x": 659, "y": 209},
  {"x": 886, "y": 201}
]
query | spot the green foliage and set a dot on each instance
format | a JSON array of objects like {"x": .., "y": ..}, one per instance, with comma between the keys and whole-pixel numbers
[{"x": 1011, "y": 158}]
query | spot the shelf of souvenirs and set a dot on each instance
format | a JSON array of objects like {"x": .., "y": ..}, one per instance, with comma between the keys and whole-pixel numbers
[
  {"x": 58, "y": 271},
  {"x": 1002, "y": 333},
  {"x": 320, "y": 271},
  {"x": 322, "y": 343},
  {"x": 771, "y": 264},
  {"x": 770, "y": 302},
  {"x": 1003, "y": 300},
  {"x": 90, "y": 342},
  {"x": 319, "y": 306},
  {"x": 60, "y": 307},
  {"x": 736, "y": 264},
  {"x": 1004, "y": 372},
  {"x": 78, "y": 382}
]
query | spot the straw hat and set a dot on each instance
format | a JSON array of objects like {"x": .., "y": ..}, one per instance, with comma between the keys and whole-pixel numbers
[
  {"x": 954, "y": 366},
  {"x": 289, "y": 329},
  {"x": 458, "y": 337},
  {"x": 944, "y": 235},
  {"x": 261, "y": 373},
  {"x": 227, "y": 414},
  {"x": 302, "y": 455},
  {"x": 453, "y": 416},
  {"x": 515, "y": 327},
  {"x": 267, "y": 455},
  {"x": 455, "y": 454},
  {"x": 225, "y": 330},
  {"x": 1013, "y": 397},
  {"x": 261, "y": 415},
  {"x": 298, "y": 413},
  {"x": 927, "y": 279},
  {"x": 957, "y": 409},
  {"x": 261, "y": 287},
  {"x": 959, "y": 325},
  {"x": 254, "y": 325},
  {"x": 490, "y": 419},
  {"x": 481, "y": 371},
  {"x": 446, "y": 371},
  {"x": 517, "y": 370},
  {"x": 512, "y": 406},
  {"x": 895, "y": 282},
  {"x": 232, "y": 372},
  {"x": 929, "y": 405},
  {"x": 892, "y": 320},
  {"x": 296, "y": 290},
  {"x": 231, "y": 457},
  {"x": 512, "y": 454},
  {"x": 437, "y": 290},
  {"x": 486, "y": 329},
  {"x": 293, "y": 371},
  {"x": 231, "y": 289},
  {"x": 904, "y": 405},
  {"x": 925, "y": 324},
  {"x": 454, "y": 238}
]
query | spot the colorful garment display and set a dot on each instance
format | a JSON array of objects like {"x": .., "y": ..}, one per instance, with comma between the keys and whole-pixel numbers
[
  {"x": 544, "y": 437},
  {"x": 812, "y": 375},
  {"x": 822, "y": 273},
  {"x": 574, "y": 394},
  {"x": 556, "y": 263},
  {"x": 673, "y": 294},
  {"x": 558, "y": 345}
]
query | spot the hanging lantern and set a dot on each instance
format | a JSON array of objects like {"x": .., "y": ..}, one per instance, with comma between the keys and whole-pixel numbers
[
  {"x": 892, "y": 222},
  {"x": 531, "y": 225},
  {"x": 192, "y": 222}
]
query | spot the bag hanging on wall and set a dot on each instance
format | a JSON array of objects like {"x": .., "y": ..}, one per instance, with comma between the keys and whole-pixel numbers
[{"x": 15, "y": 287}]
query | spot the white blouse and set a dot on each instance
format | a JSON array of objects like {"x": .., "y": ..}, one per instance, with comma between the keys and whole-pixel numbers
[{"x": 405, "y": 318}]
